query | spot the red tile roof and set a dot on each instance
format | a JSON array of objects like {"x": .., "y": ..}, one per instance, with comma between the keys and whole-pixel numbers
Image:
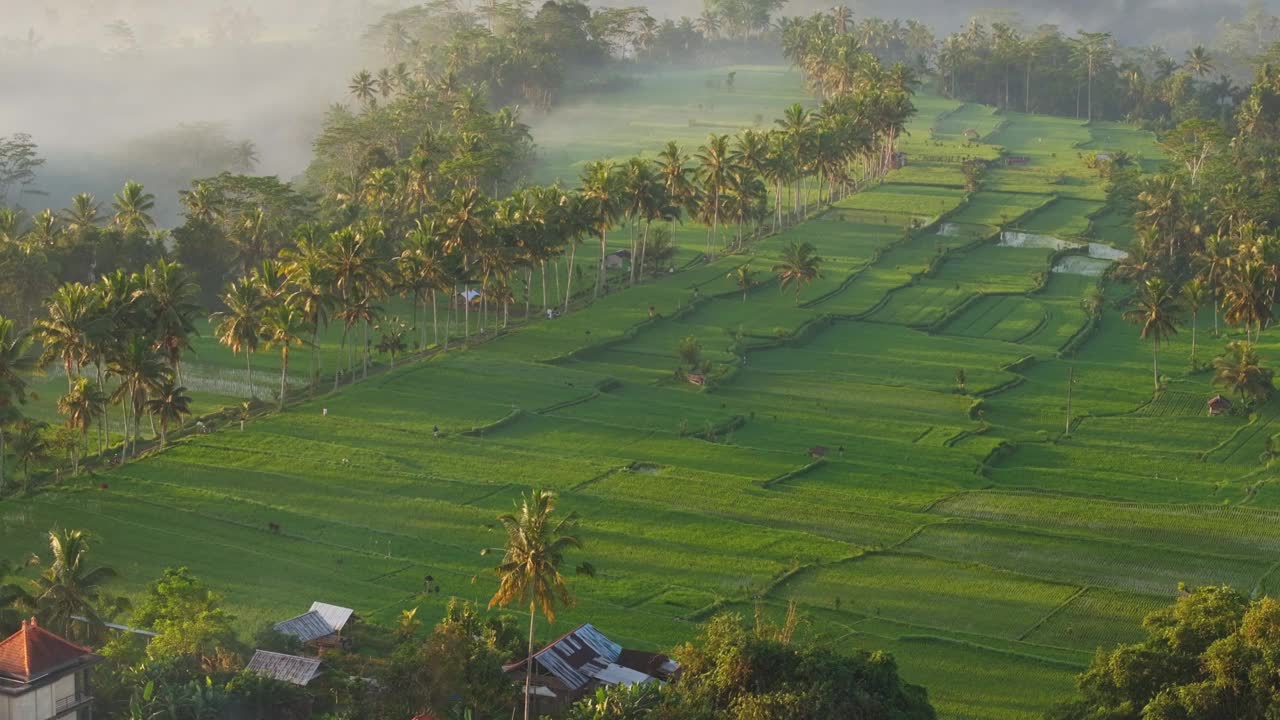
[{"x": 33, "y": 652}]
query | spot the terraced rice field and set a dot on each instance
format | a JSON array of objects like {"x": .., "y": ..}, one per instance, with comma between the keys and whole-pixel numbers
[{"x": 964, "y": 521}]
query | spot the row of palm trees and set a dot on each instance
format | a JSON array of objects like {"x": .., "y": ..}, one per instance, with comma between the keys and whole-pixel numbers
[
  {"x": 1235, "y": 278},
  {"x": 130, "y": 211},
  {"x": 418, "y": 234},
  {"x": 120, "y": 342}
]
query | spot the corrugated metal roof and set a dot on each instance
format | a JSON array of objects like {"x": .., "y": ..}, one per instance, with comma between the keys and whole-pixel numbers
[
  {"x": 619, "y": 675},
  {"x": 336, "y": 615},
  {"x": 578, "y": 657},
  {"x": 286, "y": 668},
  {"x": 306, "y": 627}
]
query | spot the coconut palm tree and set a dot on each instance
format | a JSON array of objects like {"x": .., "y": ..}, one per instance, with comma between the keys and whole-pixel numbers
[
  {"x": 85, "y": 212},
  {"x": 239, "y": 327},
  {"x": 29, "y": 447},
  {"x": 68, "y": 587},
  {"x": 800, "y": 265},
  {"x": 1193, "y": 297},
  {"x": 65, "y": 330},
  {"x": 530, "y": 569},
  {"x": 284, "y": 328},
  {"x": 1247, "y": 300},
  {"x": 168, "y": 403},
  {"x": 168, "y": 297},
  {"x": 16, "y": 361},
  {"x": 714, "y": 166},
  {"x": 310, "y": 291},
  {"x": 1155, "y": 311},
  {"x": 466, "y": 219},
  {"x": 1240, "y": 371},
  {"x": 796, "y": 126},
  {"x": 1199, "y": 61},
  {"x": 602, "y": 193},
  {"x": 1093, "y": 52},
  {"x": 80, "y": 407},
  {"x": 1214, "y": 261},
  {"x": 673, "y": 167},
  {"x": 364, "y": 88},
  {"x": 133, "y": 205},
  {"x": 744, "y": 277},
  {"x": 140, "y": 371}
]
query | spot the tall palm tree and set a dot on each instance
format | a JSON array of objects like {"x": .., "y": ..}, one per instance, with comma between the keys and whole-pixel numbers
[
  {"x": 68, "y": 587},
  {"x": 1199, "y": 61},
  {"x": 1155, "y": 311},
  {"x": 239, "y": 327},
  {"x": 85, "y": 212},
  {"x": 168, "y": 296},
  {"x": 16, "y": 361},
  {"x": 467, "y": 218},
  {"x": 602, "y": 192},
  {"x": 1248, "y": 300},
  {"x": 714, "y": 166},
  {"x": 1214, "y": 261},
  {"x": 1193, "y": 296},
  {"x": 1093, "y": 52},
  {"x": 80, "y": 407},
  {"x": 283, "y": 328},
  {"x": 364, "y": 88},
  {"x": 799, "y": 266},
  {"x": 796, "y": 126},
  {"x": 133, "y": 205},
  {"x": 311, "y": 292},
  {"x": 141, "y": 371},
  {"x": 530, "y": 569},
  {"x": 29, "y": 446},
  {"x": 169, "y": 403},
  {"x": 66, "y": 329}
]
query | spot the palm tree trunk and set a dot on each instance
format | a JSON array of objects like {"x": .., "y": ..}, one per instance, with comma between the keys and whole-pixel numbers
[
  {"x": 284, "y": 373},
  {"x": 448, "y": 316},
  {"x": 466, "y": 312},
  {"x": 568, "y": 280},
  {"x": 315, "y": 358},
  {"x": 1026, "y": 99},
  {"x": 528, "y": 664},
  {"x": 1, "y": 459},
  {"x": 600, "y": 276},
  {"x": 365, "y": 372},
  {"x": 435, "y": 327},
  {"x": 528, "y": 290},
  {"x": 248, "y": 371},
  {"x": 164, "y": 433},
  {"x": 1194, "y": 317},
  {"x": 543, "y": 272},
  {"x": 1155, "y": 366},
  {"x": 644, "y": 249}
]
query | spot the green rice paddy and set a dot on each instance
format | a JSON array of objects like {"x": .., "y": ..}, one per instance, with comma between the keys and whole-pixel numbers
[{"x": 985, "y": 546}]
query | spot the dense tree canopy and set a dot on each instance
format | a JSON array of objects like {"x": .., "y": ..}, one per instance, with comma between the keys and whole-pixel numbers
[{"x": 1214, "y": 654}]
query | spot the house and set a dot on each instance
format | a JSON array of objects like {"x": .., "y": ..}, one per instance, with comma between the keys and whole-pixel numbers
[
  {"x": 697, "y": 378},
  {"x": 44, "y": 676},
  {"x": 617, "y": 260},
  {"x": 818, "y": 452},
  {"x": 1017, "y": 160},
  {"x": 582, "y": 660},
  {"x": 320, "y": 626},
  {"x": 1218, "y": 405},
  {"x": 285, "y": 668}
]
